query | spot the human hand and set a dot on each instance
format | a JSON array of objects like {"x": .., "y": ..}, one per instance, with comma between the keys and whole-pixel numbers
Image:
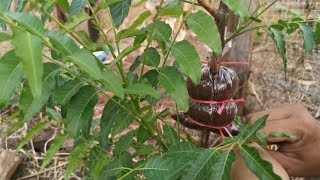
[{"x": 300, "y": 157}]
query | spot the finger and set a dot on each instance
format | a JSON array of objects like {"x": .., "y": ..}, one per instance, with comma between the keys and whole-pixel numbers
[
  {"x": 281, "y": 112},
  {"x": 287, "y": 162},
  {"x": 282, "y": 127}
]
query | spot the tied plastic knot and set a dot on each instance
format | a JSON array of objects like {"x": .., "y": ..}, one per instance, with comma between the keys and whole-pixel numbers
[{"x": 223, "y": 103}]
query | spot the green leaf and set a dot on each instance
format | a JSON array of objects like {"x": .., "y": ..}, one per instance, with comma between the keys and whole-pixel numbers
[
  {"x": 76, "y": 156},
  {"x": 125, "y": 122},
  {"x": 62, "y": 43},
  {"x": 119, "y": 11},
  {"x": 173, "y": 164},
  {"x": 49, "y": 4},
  {"x": 142, "y": 90},
  {"x": 123, "y": 144},
  {"x": 86, "y": 62},
  {"x": 53, "y": 114},
  {"x": 5, "y": 5},
  {"x": 11, "y": 74},
  {"x": 129, "y": 33},
  {"x": 29, "y": 105},
  {"x": 308, "y": 36},
  {"x": 145, "y": 150},
  {"x": 151, "y": 57},
  {"x": 110, "y": 2},
  {"x": 187, "y": 57},
  {"x": 14, "y": 127},
  {"x": 278, "y": 37},
  {"x": 221, "y": 169},
  {"x": 77, "y": 19},
  {"x": 173, "y": 8},
  {"x": 202, "y": 164},
  {"x": 97, "y": 163},
  {"x": 64, "y": 93},
  {"x": 181, "y": 149},
  {"x": 317, "y": 34},
  {"x": 32, "y": 133},
  {"x": 54, "y": 148},
  {"x": 113, "y": 83},
  {"x": 170, "y": 135},
  {"x": 261, "y": 168},
  {"x": 162, "y": 30},
  {"x": 142, "y": 135},
  {"x": 29, "y": 49},
  {"x": 124, "y": 53},
  {"x": 281, "y": 135},
  {"x": 206, "y": 29},
  {"x": 151, "y": 77},
  {"x": 238, "y": 7},
  {"x": 251, "y": 131},
  {"x": 113, "y": 112},
  {"x": 4, "y": 37},
  {"x": 64, "y": 4},
  {"x": 21, "y": 4},
  {"x": 77, "y": 6},
  {"x": 174, "y": 83},
  {"x": 30, "y": 22},
  {"x": 80, "y": 112},
  {"x": 137, "y": 22}
]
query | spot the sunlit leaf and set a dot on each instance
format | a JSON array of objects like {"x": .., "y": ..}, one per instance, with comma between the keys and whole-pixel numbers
[
  {"x": 76, "y": 20},
  {"x": 86, "y": 62},
  {"x": 63, "y": 43},
  {"x": 137, "y": 22},
  {"x": 206, "y": 29},
  {"x": 113, "y": 83},
  {"x": 238, "y": 7},
  {"x": 142, "y": 90},
  {"x": 187, "y": 57},
  {"x": 174, "y": 83},
  {"x": 11, "y": 74},
  {"x": 29, "y": 49},
  {"x": 27, "y": 21}
]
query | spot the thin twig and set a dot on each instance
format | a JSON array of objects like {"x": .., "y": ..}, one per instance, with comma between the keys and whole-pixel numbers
[{"x": 41, "y": 172}]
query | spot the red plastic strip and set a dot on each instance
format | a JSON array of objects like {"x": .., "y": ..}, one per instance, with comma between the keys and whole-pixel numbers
[
  {"x": 204, "y": 125},
  {"x": 223, "y": 103},
  {"x": 228, "y": 132}
]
